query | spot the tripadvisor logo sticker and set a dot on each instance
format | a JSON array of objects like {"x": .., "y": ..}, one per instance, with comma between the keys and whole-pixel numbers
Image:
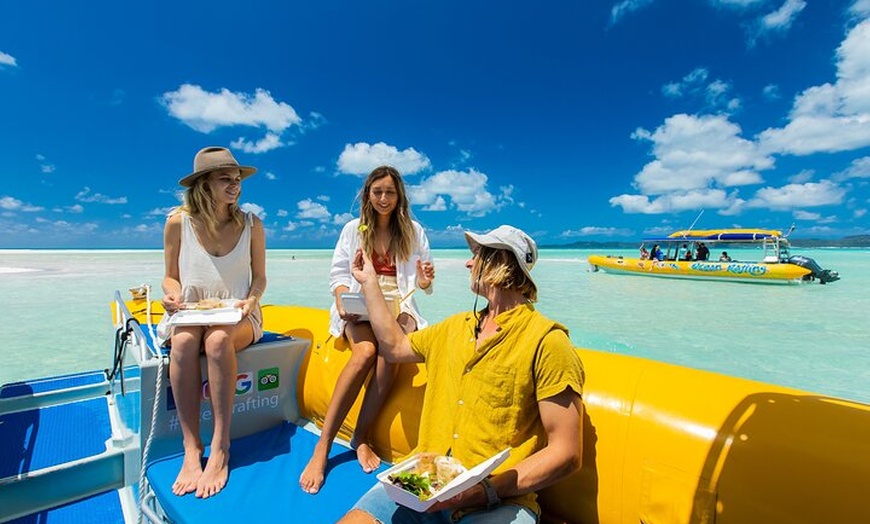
[{"x": 267, "y": 379}]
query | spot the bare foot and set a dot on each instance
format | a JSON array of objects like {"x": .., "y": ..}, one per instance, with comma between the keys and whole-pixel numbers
[
  {"x": 368, "y": 459},
  {"x": 214, "y": 476},
  {"x": 312, "y": 476},
  {"x": 191, "y": 470}
]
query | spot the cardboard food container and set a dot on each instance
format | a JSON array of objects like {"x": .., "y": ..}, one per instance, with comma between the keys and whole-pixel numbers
[
  {"x": 227, "y": 314},
  {"x": 465, "y": 480},
  {"x": 355, "y": 303}
]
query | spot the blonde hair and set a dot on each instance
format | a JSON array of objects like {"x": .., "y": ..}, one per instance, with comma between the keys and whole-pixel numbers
[
  {"x": 199, "y": 203},
  {"x": 500, "y": 268},
  {"x": 402, "y": 237}
]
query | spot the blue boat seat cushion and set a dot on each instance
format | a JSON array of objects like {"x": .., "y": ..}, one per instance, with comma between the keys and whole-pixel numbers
[{"x": 264, "y": 482}]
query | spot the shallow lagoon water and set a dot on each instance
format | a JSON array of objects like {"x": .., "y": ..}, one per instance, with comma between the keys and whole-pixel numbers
[{"x": 57, "y": 317}]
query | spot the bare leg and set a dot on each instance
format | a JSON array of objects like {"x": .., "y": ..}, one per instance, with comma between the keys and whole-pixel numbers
[
  {"x": 185, "y": 377},
  {"x": 221, "y": 345},
  {"x": 347, "y": 387},
  {"x": 376, "y": 392}
]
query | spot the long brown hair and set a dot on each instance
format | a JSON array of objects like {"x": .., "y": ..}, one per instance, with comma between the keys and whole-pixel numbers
[
  {"x": 198, "y": 202},
  {"x": 402, "y": 237}
]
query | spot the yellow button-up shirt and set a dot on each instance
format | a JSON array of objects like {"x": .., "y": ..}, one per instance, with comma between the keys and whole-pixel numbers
[{"x": 480, "y": 401}]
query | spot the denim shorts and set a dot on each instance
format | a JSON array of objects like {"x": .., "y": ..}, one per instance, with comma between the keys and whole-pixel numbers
[{"x": 379, "y": 505}]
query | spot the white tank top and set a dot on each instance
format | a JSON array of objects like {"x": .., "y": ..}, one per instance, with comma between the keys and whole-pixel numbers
[
  {"x": 207, "y": 276},
  {"x": 227, "y": 277}
]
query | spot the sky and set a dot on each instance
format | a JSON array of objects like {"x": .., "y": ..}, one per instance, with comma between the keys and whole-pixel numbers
[{"x": 575, "y": 121}]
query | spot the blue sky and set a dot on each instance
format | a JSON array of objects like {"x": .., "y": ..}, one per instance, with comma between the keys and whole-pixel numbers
[{"x": 572, "y": 120}]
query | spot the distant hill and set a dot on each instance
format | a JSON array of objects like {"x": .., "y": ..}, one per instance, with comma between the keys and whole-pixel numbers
[{"x": 850, "y": 241}]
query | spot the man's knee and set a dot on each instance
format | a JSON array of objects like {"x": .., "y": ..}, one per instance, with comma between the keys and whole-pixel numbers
[{"x": 358, "y": 516}]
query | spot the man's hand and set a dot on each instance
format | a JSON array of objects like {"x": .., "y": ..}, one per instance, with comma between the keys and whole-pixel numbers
[
  {"x": 362, "y": 268},
  {"x": 475, "y": 496}
]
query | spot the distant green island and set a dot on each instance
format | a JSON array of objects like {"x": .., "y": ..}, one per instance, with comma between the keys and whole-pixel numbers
[{"x": 849, "y": 241}]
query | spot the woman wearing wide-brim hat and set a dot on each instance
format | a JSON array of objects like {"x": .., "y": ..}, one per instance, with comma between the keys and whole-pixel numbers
[{"x": 212, "y": 251}]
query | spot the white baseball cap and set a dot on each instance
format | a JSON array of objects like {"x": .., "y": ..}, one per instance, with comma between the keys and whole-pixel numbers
[{"x": 512, "y": 239}]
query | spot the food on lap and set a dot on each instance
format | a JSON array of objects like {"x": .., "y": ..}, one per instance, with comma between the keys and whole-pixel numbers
[{"x": 430, "y": 474}]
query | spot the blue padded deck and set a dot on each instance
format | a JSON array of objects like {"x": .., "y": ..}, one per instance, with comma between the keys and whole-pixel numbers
[
  {"x": 45, "y": 385},
  {"x": 264, "y": 482},
  {"x": 104, "y": 508},
  {"x": 38, "y": 438}
]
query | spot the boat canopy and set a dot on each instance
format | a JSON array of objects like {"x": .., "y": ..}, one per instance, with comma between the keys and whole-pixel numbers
[{"x": 718, "y": 235}]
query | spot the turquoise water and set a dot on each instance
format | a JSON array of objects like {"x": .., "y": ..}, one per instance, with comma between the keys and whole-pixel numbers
[{"x": 813, "y": 337}]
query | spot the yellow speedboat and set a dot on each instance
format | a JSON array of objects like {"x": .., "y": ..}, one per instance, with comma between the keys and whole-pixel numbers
[{"x": 684, "y": 254}]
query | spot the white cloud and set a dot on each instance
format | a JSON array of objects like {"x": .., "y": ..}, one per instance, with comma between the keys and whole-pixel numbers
[
  {"x": 626, "y": 7},
  {"x": 342, "y": 218},
  {"x": 695, "y": 152},
  {"x": 466, "y": 191},
  {"x": 7, "y": 60},
  {"x": 810, "y": 194},
  {"x": 293, "y": 226},
  {"x": 831, "y": 117},
  {"x": 804, "y": 176},
  {"x": 782, "y": 18},
  {"x": 859, "y": 168},
  {"x": 736, "y": 3},
  {"x": 308, "y": 209},
  {"x": 696, "y": 84},
  {"x": 675, "y": 202},
  {"x": 160, "y": 211},
  {"x": 45, "y": 166},
  {"x": 85, "y": 196},
  {"x": 806, "y": 215},
  {"x": 205, "y": 111},
  {"x": 596, "y": 231},
  {"x": 860, "y": 9},
  {"x": 361, "y": 158},
  {"x": 8, "y": 203},
  {"x": 771, "y": 92},
  {"x": 267, "y": 143},
  {"x": 255, "y": 209}
]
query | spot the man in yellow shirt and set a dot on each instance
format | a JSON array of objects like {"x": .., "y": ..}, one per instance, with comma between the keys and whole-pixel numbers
[{"x": 504, "y": 376}]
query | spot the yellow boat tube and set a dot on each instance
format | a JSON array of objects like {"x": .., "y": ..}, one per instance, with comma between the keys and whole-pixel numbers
[{"x": 662, "y": 444}]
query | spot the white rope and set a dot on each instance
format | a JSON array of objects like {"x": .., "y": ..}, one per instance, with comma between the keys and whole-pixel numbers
[{"x": 158, "y": 393}]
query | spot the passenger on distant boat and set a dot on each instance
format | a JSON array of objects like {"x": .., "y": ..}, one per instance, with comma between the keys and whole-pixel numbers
[{"x": 724, "y": 257}]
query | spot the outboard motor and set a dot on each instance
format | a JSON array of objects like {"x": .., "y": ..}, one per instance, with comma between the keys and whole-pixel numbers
[{"x": 823, "y": 275}]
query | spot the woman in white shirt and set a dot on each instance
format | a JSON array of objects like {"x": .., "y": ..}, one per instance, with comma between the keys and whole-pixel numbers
[
  {"x": 400, "y": 251},
  {"x": 212, "y": 250}
]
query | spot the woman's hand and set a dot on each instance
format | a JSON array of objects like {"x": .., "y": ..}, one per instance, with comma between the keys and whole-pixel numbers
[
  {"x": 344, "y": 315},
  {"x": 171, "y": 303},
  {"x": 248, "y": 305},
  {"x": 425, "y": 273}
]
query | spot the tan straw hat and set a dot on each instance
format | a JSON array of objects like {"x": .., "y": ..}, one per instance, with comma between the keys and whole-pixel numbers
[{"x": 210, "y": 159}]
